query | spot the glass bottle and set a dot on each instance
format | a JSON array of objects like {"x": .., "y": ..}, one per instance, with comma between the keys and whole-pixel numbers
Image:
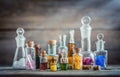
[
  {"x": 71, "y": 49},
  {"x": 30, "y": 56},
  {"x": 100, "y": 53},
  {"x": 88, "y": 57},
  {"x": 20, "y": 57},
  {"x": 59, "y": 50},
  {"x": 52, "y": 52},
  {"x": 77, "y": 60},
  {"x": 38, "y": 52},
  {"x": 64, "y": 61},
  {"x": 62, "y": 48},
  {"x": 53, "y": 63},
  {"x": 43, "y": 61}
]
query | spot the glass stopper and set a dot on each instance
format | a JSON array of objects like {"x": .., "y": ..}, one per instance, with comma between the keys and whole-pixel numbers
[
  {"x": 86, "y": 20},
  {"x": 20, "y": 31},
  {"x": 100, "y": 36}
]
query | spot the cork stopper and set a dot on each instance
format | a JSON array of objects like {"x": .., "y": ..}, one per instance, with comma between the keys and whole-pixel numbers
[
  {"x": 37, "y": 46},
  {"x": 78, "y": 50},
  {"x": 43, "y": 53},
  {"x": 30, "y": 43},
  {"x": 52, "y": 42}
]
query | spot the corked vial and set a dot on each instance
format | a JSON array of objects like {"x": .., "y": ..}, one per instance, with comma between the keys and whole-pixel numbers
[
  {"x": 38, "y": 52},
  {"x": 77, "y": 59},
  {"x": 52, "y": 47},
  {"x": 43, "y": 61},
  {"x": 38, "y": 49}
]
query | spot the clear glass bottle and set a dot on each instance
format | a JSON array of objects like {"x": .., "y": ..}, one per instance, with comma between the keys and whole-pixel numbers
[
  {"x": 43, "y": 61},
  {"x": 52, "y": 47},
  {"x": 59, "y": 50},
  {"x": 52, "y": 53},
  {"x": 64, "y": 61},
  {"x": 38, "y": 52},
  {"x": 20, "y": 57},
  {"x": 71, "y": 49},
  {"x": 77, "y": 60},
  {"x": 62, "y": 48},
  {"x": 100, "y": 53},
  {"x": 30, "y": 56},
  {"x": 88, "y": 57}
]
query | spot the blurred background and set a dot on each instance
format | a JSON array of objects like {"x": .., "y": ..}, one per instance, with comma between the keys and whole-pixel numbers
[{"x": 46, "y": 19}]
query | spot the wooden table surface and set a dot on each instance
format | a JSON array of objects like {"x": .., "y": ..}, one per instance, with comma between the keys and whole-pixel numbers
[{"x": 113, "y": 71}]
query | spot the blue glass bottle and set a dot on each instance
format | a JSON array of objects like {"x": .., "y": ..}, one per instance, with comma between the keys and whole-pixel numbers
[{"x": 100, "y": 53}]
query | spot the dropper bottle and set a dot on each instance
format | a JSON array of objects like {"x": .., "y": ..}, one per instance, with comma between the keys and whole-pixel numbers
[{"x": 100, "y": 53}]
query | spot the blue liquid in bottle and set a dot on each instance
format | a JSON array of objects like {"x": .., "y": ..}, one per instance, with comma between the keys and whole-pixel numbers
[{"x": 100, "y": 53}]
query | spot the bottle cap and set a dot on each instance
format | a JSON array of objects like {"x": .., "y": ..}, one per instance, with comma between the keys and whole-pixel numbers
[{"x": 52, "y": 42}]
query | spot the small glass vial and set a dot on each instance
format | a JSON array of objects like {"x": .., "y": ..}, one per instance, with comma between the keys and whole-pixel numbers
[
  {"x": 52, "y": 51},
  {"x": 53, "y": 64},
  {"x": 38, "y": 52},
  {"x": 88, "y": 57},
  {"x": 43, "y": 61},
  {"x": 20, "y": 57},
  {"x": 30, "y": 56},
  {"x": 64, "y": 61},
  {"x": 77, "y": 60},
  {"x": 52, "y": 47},
  {"x": 71, "y": 49},
  {"x": 100, "y": 53}
]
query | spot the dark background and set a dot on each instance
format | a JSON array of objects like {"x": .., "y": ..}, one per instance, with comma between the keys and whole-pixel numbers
[{"x": 46, "y": 19}]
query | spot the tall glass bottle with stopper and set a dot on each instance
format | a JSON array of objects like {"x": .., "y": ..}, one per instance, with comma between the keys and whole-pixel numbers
[
  {"x": 30, "y": 56},
  {"x": 71, "y": 48},
  {"x": 20, "y": 57},
  {"x": 77, "y": 59},
  {"x": 88, "y": 58},
  {"x": 100, "y": 53},
  {"x": 59, "y": 50},
  {"x": 62, "y": 48},
  {"x": 52, "y": 55}
]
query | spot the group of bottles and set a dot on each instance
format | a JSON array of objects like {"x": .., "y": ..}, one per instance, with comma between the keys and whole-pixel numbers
[{"x": 61, "y": 57}]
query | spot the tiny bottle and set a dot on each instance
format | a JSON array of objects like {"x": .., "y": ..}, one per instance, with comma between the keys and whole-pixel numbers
[
  {"x": 53, "y": 64},
  {"x": 71, "y": 49},
  {"x": 88, "y": 57},
  {"x": 52, "y": 51},
  {"x": 100, "y": 53},
  {"x": 77, "y": 60},
  {"x": 20, "y": 56},
  {"x": 30, "y": 56},
  {"x": 38, "y": 52},
  {"x": 64, "y": 61},
  {"x": 43, "y": 60}
]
